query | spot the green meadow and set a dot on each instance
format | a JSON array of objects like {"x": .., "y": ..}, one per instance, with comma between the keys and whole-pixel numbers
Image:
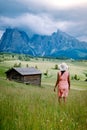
[{"x": 28, "y": 107}]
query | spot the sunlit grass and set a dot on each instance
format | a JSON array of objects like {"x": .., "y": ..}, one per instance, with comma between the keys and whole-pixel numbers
[{"x": 25, "y": 107}]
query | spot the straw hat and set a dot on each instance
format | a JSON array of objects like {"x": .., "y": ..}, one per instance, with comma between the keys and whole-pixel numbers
[{"x": 63, "y": 67}]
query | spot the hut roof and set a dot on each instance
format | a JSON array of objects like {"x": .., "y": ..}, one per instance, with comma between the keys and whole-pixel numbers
[{"x": 27, "y": 71}]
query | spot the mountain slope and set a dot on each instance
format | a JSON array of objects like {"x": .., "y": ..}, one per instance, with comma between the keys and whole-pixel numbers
[
  {"x": 15, "y": 41},
  {"x": 59, "y": 44}
]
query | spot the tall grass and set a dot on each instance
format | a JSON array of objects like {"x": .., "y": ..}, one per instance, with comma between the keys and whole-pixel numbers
[{"x": 25, "y": 107}]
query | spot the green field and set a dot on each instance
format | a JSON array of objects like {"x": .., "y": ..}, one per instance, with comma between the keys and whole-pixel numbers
[{"x": 27, "y": 107}]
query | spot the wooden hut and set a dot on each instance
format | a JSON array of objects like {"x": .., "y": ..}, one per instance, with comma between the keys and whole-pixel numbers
[{"x": 29, "y": 75}]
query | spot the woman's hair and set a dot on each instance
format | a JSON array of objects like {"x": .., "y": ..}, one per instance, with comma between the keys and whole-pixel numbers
[{"x": 62, "y": 72}]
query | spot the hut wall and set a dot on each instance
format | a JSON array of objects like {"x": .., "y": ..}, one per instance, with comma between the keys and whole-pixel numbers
[
  {"x": 33, "y": 79},
  {"x": 13, "y": 75}
]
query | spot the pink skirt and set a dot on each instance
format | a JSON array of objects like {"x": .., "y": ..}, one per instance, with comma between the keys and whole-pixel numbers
[{"x": 63, "y": 89}]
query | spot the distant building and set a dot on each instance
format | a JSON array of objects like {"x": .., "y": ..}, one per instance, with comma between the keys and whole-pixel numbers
[{"x": 28, "y": 75}]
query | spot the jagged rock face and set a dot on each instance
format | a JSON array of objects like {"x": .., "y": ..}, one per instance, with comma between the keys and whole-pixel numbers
[
  {"x": 58, "y": 45},
  {"x": 15, "y": 41}
]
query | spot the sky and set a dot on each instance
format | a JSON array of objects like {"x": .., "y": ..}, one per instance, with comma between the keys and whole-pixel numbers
[{"x": 45, "y": 16}]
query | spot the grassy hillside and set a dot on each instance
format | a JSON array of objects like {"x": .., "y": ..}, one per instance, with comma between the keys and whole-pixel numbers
[{"x": 27, "y": 107}]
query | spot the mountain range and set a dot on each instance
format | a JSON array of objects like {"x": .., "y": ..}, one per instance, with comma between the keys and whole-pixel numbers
[{"x": 57, "y": 45}]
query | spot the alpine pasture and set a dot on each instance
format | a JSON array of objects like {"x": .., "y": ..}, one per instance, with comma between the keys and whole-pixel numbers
[{"x": 28, "y": 107}]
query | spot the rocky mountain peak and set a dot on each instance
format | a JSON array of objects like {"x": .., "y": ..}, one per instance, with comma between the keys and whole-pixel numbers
[{"x": 57, "y": 45}]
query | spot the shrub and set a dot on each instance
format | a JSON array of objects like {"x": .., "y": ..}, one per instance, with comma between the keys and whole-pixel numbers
[
  {"x": 36, "y": 67},
  {"x": 27, "y": 65},
  {"x": 85, "y": 74},
  {"x": 17, "y": 65},
  {"x": 56, "y": 66},
  {"x": 46, "y": 73},
  {"x": 76, "y": 77},
  {"x": 85, "y": 79}
]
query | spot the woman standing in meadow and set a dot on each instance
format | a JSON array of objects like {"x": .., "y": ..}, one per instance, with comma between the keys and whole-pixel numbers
[{"x": 63, "y": 82}]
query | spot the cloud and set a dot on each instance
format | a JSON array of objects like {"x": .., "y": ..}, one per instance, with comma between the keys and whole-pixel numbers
[
  {"x": 40, "y": 24},
  {"x": 45, "y": 17},
  {"x": 54, "y": 4},
  {"x": 37, "y": 23}
]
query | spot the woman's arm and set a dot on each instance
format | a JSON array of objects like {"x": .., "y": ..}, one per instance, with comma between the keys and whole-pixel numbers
[
  {"x": 69, "y": 81},
  {"x": 57, "y": 81}
]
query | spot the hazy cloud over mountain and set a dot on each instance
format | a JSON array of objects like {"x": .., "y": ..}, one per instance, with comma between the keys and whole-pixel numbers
[{"x": 45, "y": 17}]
